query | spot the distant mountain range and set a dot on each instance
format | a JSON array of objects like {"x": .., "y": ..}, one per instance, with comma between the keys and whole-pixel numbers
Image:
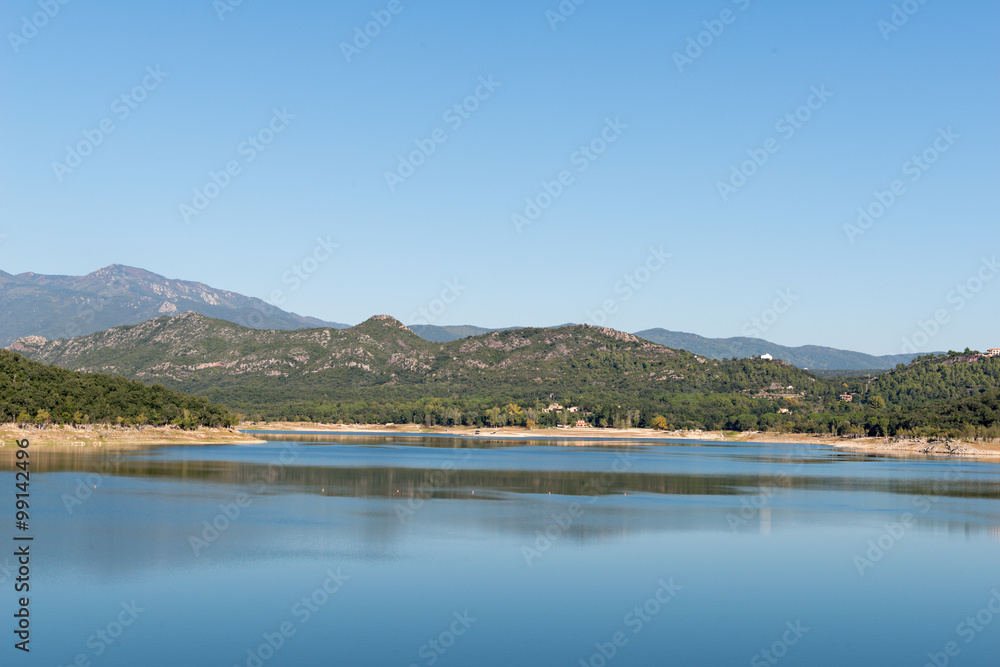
[
  {"x": 446, "y": 334},
  {"x": 66, "y": 306},
  {"x": 812, "y": 357},
  {"x": 32, "y": 304}
]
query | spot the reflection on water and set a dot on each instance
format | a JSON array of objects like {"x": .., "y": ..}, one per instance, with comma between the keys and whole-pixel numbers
[{"x": 547, "y": 542}]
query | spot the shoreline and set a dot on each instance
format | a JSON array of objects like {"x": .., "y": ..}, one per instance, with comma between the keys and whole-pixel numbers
[
  {"x": 52, "y": 437},
  {"x": 903, "y": 447}
]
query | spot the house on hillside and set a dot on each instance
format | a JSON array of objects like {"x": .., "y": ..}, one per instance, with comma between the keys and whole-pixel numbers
[
  {"x": 766, "y": 357},
  {"x": 847, "y": 398},
  {"x": 581, "y": 423},
  {"x": 993, "y": 352}
]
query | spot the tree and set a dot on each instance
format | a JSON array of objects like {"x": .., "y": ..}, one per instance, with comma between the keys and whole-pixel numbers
[{"x": 660, "y": 423}]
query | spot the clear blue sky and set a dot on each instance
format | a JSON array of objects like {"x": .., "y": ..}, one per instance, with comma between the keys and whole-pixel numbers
[{"x": 679, "y": 132}]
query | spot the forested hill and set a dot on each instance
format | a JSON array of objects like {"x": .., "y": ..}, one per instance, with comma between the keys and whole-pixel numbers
[
  {"x": 380, "y": 371},
  {"x": 932, "y": 377},
  {"x": 33, "y": 392},
  {"x": 382, "y": 360}
]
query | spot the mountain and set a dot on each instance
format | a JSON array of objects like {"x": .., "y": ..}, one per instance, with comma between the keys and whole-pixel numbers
[
  {"x": 446, "y": 334},
  {"x": 32, "y": 304},
  {"x": 382, "y": 360},
  {"x": 812, "y": 357},
  {"x": 380, "y": 371}
]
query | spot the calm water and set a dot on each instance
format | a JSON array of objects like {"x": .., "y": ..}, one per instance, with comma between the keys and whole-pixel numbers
[{"x": 410, "y": 551}]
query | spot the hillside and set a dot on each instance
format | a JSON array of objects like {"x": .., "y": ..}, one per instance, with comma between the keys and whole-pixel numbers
[
  {"x": 66, "y": 306},
  {"x": 380, "y": 371},
  {"x": 382, "y": 361},
  {"x": 955, "y": 375},
  {"x": 812, "y": 357},
  {"x": 34, "y": 392}
]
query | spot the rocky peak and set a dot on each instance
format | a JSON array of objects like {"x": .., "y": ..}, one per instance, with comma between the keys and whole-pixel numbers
[
  {"x": 28, "y": 343},
  {"x": 385, "y": 320}
]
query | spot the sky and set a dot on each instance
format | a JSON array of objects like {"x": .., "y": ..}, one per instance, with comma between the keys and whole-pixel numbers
[{"x": 809, "y": 173}]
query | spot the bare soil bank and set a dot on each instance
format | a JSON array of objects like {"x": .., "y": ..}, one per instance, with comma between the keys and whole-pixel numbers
[
  {"x": 902, "y": 447},
  {"x": 99, "y": 436}
]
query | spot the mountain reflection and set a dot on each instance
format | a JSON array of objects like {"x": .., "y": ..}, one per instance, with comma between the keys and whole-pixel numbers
[{"x": 454, "y": 475}]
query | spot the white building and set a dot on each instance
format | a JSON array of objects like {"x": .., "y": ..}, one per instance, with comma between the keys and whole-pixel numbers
[
  {"x": 993, "y": 352},
  {"x": 766, "y": 357}
]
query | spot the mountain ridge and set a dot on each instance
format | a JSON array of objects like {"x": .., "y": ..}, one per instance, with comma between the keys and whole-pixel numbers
[
  {"x": 63, "y": 306},
  {"x": 227, "y": 362}
]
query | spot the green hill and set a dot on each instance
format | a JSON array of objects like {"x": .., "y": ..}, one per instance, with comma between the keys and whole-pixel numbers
[
  {"x": 380, "y": 371},
  {"x": 31, "y": 391}
]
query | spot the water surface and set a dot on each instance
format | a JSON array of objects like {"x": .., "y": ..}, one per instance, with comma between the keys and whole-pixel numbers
[{"x": 319, "y": 550}]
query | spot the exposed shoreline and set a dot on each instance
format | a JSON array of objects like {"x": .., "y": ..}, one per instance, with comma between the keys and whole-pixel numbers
[
  {"x": 903, "y": 447},
  {"x": 102, "y": 436}
]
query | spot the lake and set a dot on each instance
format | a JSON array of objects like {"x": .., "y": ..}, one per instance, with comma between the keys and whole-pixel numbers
[{"x": 368, "y": 550}]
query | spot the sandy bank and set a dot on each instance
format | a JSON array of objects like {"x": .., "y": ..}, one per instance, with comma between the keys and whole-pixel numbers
[
  {"x": 911, "y": 447},
  {"x": 99, "y": 436}
]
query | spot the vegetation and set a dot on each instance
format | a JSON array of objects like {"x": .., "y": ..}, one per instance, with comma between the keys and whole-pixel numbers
[
  {"x": 381, "y": 372},
  {"x": 36, "y": 393}
]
